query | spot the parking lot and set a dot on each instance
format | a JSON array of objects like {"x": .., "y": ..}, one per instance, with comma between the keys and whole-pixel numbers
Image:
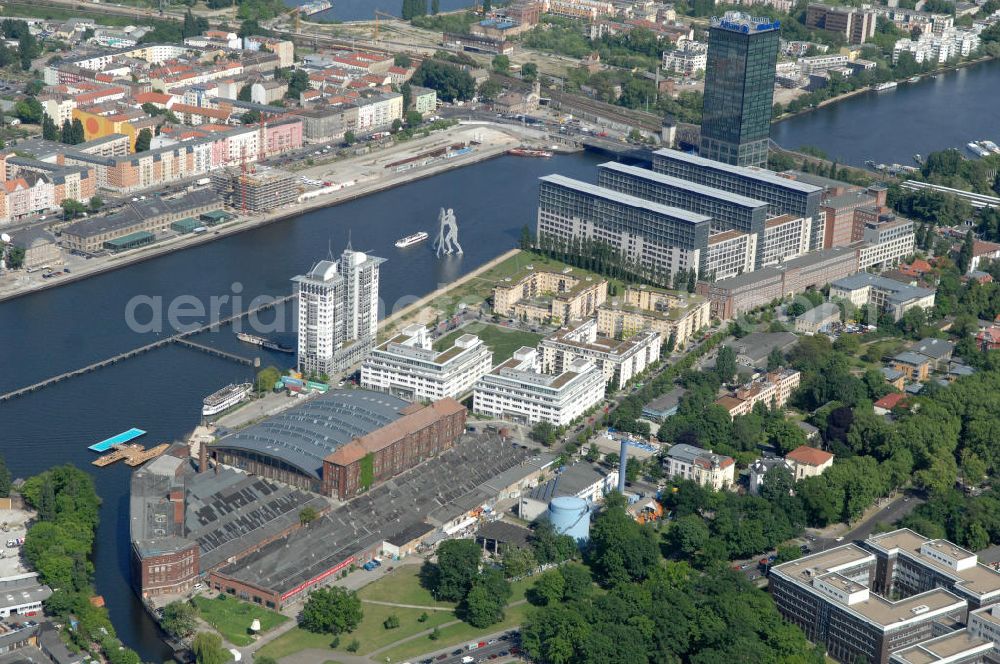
[{"x": 12, "y": 527}]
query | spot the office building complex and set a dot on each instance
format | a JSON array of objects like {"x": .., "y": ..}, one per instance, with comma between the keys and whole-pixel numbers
[
  {"x": 887, "y": 239},
  {"x": 408, "y": 367},
  {"x": 840, "y": 597},
  {"x": 739, "y": 89},
  {"x": 702, "y": 466},
  {"x": 656, "y": 237},
  {"x": 337, "y": 312},
  {"x": 517, "y": 390},
  {"x": 783, "y": 195},
  {"x": 728, "y": 211},
  {"x": 619, "y": 360}
]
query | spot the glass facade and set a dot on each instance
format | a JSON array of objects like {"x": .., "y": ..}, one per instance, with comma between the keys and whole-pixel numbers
[{"x": 739, "y": 90}]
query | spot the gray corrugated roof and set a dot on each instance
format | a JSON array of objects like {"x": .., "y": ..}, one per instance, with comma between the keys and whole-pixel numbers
[
  {"x": 304, "y": 435},
  {"x": 135, "y": 211}
]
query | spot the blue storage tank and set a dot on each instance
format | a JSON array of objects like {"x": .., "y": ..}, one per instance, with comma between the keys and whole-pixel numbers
[{"x": 571, "y": 516}]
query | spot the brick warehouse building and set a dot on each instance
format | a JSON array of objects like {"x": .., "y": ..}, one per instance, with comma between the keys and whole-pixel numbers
[
  {"x": 421, "y": 433},
  {"x": 344, "y": 441}
]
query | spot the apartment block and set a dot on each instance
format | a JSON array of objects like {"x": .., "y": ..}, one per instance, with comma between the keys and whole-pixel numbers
[
  {"x": 857, "y": 25},
  {"x": 676, "y": 313},
  {"x": 772, "y": 390},
  {"x": 620, "y": 360},
  {"x": 407, "y": 366},
  {"x": 688, "y": 60},
  {"x": 704, "y": 467},
  {"x": 729, "y": 253},
  {"x": 541, "y": 296},
  {"x": 517, "y": 390},
  {"x": 337, "y": 312}
]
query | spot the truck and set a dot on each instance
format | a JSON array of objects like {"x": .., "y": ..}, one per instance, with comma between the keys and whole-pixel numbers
[
  {"x": 468, "y": 659},
  {"x": 201, "y": 182}
]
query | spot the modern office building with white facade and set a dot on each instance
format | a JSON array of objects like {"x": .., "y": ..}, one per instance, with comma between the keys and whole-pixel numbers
[
  {"x": 517, "y": 390},
  {"x": 337, "y": 313},
  {"x": 408, "y": 367}
]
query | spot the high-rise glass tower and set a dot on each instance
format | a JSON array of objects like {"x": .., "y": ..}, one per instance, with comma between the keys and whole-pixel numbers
[{"x": 739, "y": 89}]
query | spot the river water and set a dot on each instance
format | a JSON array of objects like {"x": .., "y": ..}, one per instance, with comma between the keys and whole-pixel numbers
[
  {"x": 71, "y": 326},
  {"x": 945, "y": 111},
  {"x": 364, "y": 10}
]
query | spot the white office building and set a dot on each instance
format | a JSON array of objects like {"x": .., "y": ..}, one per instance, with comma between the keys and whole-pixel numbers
[
  {"x": 517, "y": 390},
  {"x": 408, "y": 366},
  {"x": 337, "y": 313}
]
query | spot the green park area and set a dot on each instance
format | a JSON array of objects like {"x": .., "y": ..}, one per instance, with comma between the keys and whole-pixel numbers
[
  {"x": 232, "y": 618},
  {"x": 402, "y": 586},
  {"x": 503, "y": 341}
]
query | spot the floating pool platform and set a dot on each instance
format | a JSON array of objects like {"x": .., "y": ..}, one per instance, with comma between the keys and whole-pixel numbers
[{"x": 120, "y": 439}]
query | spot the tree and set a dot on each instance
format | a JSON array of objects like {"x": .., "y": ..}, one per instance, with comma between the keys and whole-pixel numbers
[
  {"x": 66, "y": 134},
  {"x": 332, "y": 610},
  {"x": 529, "y": 72},
  {"x": 692, "y": 282},
  {"x": 489, "y": 90},
  {"x": 95, "y": 203},
  {"x": 456, "y": 569},
  {"x": 484, "y": 603},
  {"x": 250, "y": 117},
  {"x": 965, "y": 253},
  {"x": 397, "y": 124},
  {"x": 72, "y": 208},
  {"x": 725, "y": 363},
  {"x": 29, "y": 110},
  {"x": 49, "y": 130},
  {"x": 450, "y": 81},
  {"x": 775, "y": 360},
  {"x": 544, "y": 433},
  {"x": 307, "y": 515},
  {"x": 207, "y": 647},
  {"x": 178, "y": 619},
  {"x": 245, "y": 93},
  {"x": 435, "y": 7},
  {"x": 266, "y": 379},
  {"x": 391, "y": 622},
  {"x": 593, "y": 454},
  {"x": 501, "y": 64},
  {"x": 349, "y": 137},
  {"x": 517, "y": 562},
  {"x": 671, "y": 341},
  {"x": 413, "y": 119},
  {"x": 143, "y": 140},
  {"x": 402, "y": 60}
]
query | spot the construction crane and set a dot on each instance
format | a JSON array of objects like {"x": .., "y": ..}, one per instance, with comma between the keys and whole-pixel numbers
[
  {"x": 296, "y": 15},
  {"x": 383, "y": 15}
]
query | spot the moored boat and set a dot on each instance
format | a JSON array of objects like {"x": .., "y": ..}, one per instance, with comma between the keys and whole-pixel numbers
[{"x": 227, "y": 397}]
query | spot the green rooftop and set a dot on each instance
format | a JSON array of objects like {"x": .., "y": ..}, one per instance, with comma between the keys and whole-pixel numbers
[{"x": 130, "y": 241}]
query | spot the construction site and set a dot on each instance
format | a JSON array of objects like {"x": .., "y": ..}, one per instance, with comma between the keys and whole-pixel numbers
[{"x": 255, "y": 190}]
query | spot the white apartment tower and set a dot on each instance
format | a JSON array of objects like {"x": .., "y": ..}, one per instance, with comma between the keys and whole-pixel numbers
[{"x": 337, "y": 312}]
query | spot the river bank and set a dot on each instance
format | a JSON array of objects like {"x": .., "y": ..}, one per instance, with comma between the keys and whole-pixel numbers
[
  {"x": 854, "y": 93},
  {"x": 493, "y": 142}
]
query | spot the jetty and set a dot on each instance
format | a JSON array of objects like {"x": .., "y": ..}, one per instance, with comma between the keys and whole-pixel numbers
[{"x": 133, "y": 454}]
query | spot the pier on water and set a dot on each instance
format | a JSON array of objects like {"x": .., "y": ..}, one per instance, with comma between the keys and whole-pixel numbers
[{"x": 181, "y": 338}]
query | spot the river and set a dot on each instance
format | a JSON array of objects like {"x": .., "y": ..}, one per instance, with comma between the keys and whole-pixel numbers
[
  {"x": 364, "y": 10},
  {"x": 944, "y": 111},
  {"x": 71, "y": 326}
]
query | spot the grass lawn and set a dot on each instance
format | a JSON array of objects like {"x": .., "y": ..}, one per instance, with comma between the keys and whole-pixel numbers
[
  {"x": 503, "y": 341},
  {"x": 402, "y": 586},
  {"x": 232, "y": 618},
  {"x": 454, "y": 635},
  {"x": 371, "y": 633}
]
